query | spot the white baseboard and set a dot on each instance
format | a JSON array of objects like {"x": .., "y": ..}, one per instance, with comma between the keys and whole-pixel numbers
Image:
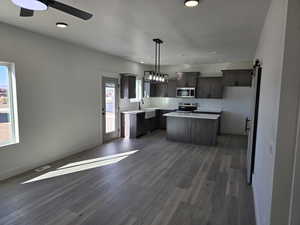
[
  {"x": 256, "y": 208},
  {"x": 17, "y": 171}
]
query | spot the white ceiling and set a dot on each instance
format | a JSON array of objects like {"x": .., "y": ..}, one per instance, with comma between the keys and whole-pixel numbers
[{"x": 216, "y": 31}]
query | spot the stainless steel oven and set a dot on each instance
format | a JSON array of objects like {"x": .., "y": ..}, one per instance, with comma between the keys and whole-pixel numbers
[
  {"x": 186, "y": 92},
  {"x": 187, "y": 107}
]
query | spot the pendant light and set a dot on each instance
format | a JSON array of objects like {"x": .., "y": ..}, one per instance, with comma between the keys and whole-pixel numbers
[
  {"x": 156, "y": 75},
  {"x": 150, "y": 76},
  {"x": 157, "y": 42}
]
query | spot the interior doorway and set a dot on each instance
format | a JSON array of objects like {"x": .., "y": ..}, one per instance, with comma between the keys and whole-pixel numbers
[{"x": 110, "y": 108}]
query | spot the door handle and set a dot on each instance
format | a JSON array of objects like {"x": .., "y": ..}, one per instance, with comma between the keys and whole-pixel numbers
[
  {"x": 103, "y": 111},
  {"x": 246, "y": 124}
]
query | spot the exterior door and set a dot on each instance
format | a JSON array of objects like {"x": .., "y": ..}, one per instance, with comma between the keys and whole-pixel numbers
[
  {"x": 251, "y": 123},
  {"x": 110, "y": 108}
]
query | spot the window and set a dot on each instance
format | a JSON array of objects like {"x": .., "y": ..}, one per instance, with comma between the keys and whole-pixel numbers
[
  {"x": 138, "y": 91},
  {"x": 9, "y": 133}
]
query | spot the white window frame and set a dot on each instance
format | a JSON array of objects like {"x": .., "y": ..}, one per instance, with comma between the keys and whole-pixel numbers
[
  {"x": 138, "y": 91},
  {"x": 13, "y": 109}
]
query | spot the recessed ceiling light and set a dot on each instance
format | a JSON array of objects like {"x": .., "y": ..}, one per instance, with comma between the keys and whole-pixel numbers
[
  {"x": 191, "y": 3},
  {"x": 142, "y": 62},
  {"x": 31, "y": 4},
  {"x": 61, "y": 25}
]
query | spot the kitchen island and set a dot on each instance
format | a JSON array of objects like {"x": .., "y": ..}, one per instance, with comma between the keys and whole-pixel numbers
[{"x": 196, "y": 128}]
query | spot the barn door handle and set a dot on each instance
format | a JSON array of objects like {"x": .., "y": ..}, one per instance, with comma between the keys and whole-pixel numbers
[{"x": 246, "y": 124}]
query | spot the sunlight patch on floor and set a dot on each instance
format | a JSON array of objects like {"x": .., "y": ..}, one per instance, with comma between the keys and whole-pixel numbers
[{"x": 83, "y": 165}]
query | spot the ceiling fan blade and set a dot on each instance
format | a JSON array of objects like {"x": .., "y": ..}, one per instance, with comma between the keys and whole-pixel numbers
[
  {"x": 70, "y": 10},
  {"x": 26, "y": 12}
]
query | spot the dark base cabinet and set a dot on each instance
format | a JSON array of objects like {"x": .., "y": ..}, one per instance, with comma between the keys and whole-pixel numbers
[
  {"x": 191, "y": 130},
  {"x": 151, "y": 124},
  {"x": 134, "y": 125},
  {"x": 162, "y": 120},
  {"x": 219, "y": 113}
]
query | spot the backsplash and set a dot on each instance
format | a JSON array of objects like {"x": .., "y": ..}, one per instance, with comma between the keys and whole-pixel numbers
[
  {"x": 126, "y": 105},
  {"x": 173, "y": 102}
]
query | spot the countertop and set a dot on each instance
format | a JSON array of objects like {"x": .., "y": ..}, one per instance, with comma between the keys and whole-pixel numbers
[
  {"x": 208, "y": 109},
  {"x": 145, "y": 110},
  {"x": 200, "y": 109},
  {"x": 133, "y": 112},
  {"x": 193, "y": 115}
]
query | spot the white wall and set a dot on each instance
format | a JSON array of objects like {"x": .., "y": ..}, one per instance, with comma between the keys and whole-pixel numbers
[
  {"x": 59, "y": 97},
  {"x": 270, "y": 51},
  {"x": 287, "y": 121},
  {"x": 293, "y": 53},
  {"x": 236, "y": 108}
]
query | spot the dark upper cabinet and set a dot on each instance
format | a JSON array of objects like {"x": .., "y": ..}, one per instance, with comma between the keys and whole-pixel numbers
[
  {"x": 128, "y": 86},
  {"x": 187, "y": 79},
  {"x": 171, "y": 88},
  {"x": 237, "y": 77},
  {"x": 155, "y": 89},
  {"x": 141, "y": 126},
  {"x": 161, "y": 90},
  {"x": 150, "y": 89},
  {"x": 210, "y": 87}
]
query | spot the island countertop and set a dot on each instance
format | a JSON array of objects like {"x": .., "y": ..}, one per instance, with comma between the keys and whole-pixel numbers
[{"x": 193, "y": 115}]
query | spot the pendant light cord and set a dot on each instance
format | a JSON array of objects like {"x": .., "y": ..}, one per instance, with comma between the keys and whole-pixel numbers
[
  {"x": 155, "y": 64},
  {"x": 159, "y": 59}
]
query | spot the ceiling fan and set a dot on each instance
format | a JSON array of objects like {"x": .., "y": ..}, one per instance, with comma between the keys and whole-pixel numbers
[{"x": 29, "y": 6}]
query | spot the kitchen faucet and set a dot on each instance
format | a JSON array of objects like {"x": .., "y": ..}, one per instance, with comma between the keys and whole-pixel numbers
[{"x": 142, "y": 101}]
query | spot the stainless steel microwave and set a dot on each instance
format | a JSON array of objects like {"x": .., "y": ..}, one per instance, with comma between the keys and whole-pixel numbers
[{"x": 186, "y": 92}]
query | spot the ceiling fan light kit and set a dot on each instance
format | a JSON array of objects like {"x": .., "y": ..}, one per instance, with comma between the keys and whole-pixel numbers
[
  {"x": 29, "y": 6},
  {"x": 191, "y": 3}
]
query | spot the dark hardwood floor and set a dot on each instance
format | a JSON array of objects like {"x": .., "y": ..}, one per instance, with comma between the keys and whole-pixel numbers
[{"x": 164, "y": 183}]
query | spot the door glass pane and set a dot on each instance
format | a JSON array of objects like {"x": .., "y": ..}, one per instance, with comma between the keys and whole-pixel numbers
[
  {"x": 110, "y": 107},
  {"x": 6, "y": 129}
]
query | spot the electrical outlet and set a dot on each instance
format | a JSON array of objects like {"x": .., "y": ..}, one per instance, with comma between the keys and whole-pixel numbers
[
  {"x": 271, "y": 148},
  {"x": 42, "y": 168}
]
